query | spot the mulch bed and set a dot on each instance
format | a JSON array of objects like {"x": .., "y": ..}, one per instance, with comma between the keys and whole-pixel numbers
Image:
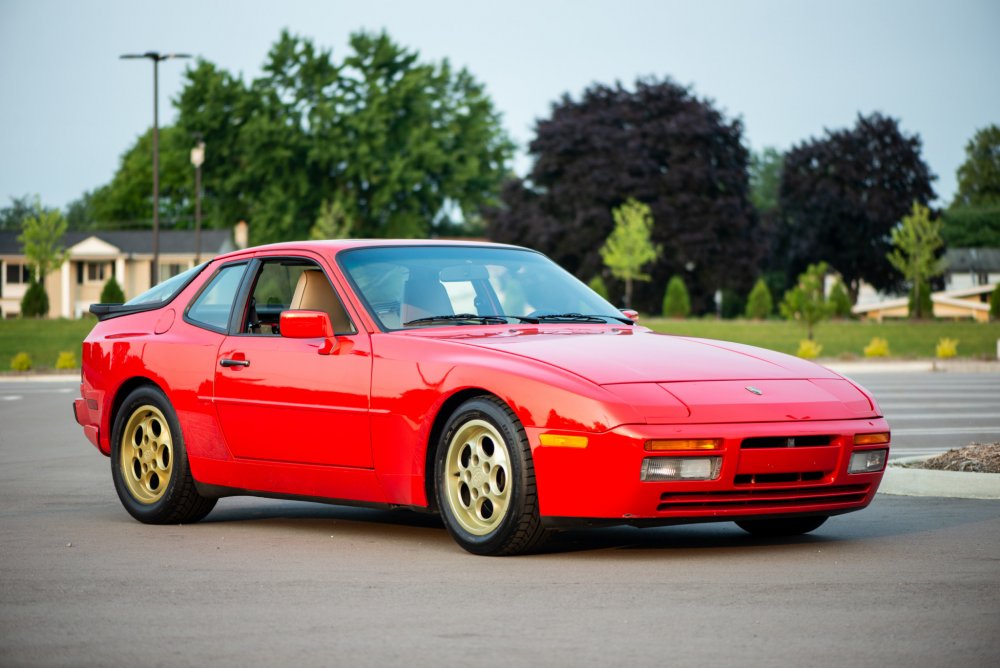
[{"x": 978, "y": 457}]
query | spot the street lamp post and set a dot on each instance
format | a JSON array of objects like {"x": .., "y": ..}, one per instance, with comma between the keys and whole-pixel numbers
[
  {"x": 156, "y": 57},
  {"x": 197, "y": 159}
]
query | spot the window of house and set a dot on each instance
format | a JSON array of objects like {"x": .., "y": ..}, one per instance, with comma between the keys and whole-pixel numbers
[
  {"x": 97, "y": 272},
  {"x": 17, "y": 273},
  {"x": 170, "y": 270}
]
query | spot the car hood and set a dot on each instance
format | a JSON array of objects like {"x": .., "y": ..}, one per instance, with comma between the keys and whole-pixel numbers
[
  {"x": 607, "y": 355},
  {"x": 672, "y": 379}
]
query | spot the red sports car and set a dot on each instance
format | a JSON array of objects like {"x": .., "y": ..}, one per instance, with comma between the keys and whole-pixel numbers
[{"x": 476, "y": 380}]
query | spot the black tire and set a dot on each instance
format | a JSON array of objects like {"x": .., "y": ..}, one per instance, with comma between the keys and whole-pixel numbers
[
  {"x": 791, "y": 526},
  {"x": 149, "y": 463},
  {"x": 484, "y": 480}
]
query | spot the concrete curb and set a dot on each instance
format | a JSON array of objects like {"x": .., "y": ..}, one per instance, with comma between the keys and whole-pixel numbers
[
  {"x": 911, "y": 366},
  {"x": 902, "y": 481},
  {"x": 40, "y": 378}
]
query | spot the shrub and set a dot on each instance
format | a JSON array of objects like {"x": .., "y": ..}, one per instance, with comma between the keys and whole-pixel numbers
[
  {"x": 66, "y": 360},
  {"x": 760, "y": 304},
  {"x": 995, "y": 304},
  {"x": 21, "y": 362},
  {"x": 809, "y": 349},
  {"x": 676, "y": 302},
  {"x": 597, "y": 285},
  {"x": 840, "y": 302},
  {"x": 35, "y": 303},
  {"x": 877, "y": 347},
  {"x": 946, "y": 348},
  {"x": 732, "y": 305},
  {"x": 112, "y": 292}
]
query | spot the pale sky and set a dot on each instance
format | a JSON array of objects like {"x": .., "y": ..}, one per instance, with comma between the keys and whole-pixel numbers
[{"x": 788, "y": 68}]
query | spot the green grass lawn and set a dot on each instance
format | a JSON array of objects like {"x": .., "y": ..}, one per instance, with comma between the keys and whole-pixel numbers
[
  {"x": 45, "y": 339},
  {"x": 844, "y": 339}
]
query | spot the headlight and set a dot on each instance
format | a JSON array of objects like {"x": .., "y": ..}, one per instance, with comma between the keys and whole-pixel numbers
[
  {"x": 680, "y": 468},
  {"x": 867, "y": 461}
]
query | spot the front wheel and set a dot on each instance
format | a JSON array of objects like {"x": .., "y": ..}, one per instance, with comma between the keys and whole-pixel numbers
[
  {"x": 485, "y": 480},
  {"x": 791, "y": 526},
  {"x": 149, "y": 463}
]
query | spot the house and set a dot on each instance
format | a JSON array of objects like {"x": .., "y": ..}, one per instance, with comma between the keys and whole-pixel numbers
[
  {"x": 96, "y": 256},
  {"x": 971, "y": 267}
]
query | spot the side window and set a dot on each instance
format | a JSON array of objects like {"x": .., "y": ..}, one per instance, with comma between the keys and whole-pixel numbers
[
  {"x": 290, "y": 284},
  {"x": 212, "y": 306}
]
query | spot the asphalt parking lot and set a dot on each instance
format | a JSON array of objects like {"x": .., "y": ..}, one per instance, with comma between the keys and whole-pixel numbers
[{"x": 908, "y": 581}]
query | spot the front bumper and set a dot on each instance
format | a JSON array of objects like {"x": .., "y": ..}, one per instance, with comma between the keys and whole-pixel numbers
[{"x": 601, "y": 482}]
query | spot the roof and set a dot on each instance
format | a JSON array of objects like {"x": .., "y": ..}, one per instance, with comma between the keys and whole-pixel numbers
[
  {"x": 980, "y": 260},
  {"x": 136, "y": 241},
  {"x": 335, "y": 245}
]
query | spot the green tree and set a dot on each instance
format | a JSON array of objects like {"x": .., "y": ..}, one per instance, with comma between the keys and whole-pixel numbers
[
  {"x": 112, "y": 293},
  {"x": 760, "y": 304},
  {"x": 765, "y": 179},
  {"x": 806, "y": 302},
  {"x": 629, "y": 248},
  {"x": 995, "y": 304},
  {"x": 979, "y": 175},
  {"x": 12, "y": 216},
  {"x": 41, "y": 238},
  {"x": 332, "y": 222},
  {"x": 915, "y": 244},
  {"x": 971, "y": 227},
  {"x": 840, "y": 301},
  {"x": 676, "y": 301},
  {"x": 919, "y": 304}
]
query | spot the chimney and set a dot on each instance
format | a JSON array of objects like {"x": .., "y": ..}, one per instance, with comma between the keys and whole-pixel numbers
[{"x": 241, "y": 235}]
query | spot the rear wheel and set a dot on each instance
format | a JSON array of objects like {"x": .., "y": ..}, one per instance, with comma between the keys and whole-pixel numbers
[
  {"x": 149, "y": 463},
  {"x": 485, "y": 480},
  {"x": 791, "y": 526}
]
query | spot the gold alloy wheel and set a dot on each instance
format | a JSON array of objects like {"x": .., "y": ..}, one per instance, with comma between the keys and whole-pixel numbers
[
  {"x": 147, "y": 454},
  {"x": 477, "y": 477}
]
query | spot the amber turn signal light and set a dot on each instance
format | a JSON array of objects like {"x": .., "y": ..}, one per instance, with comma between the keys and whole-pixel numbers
[
  {"x": 563, "y": 441},
  {"x": 871, "y": 439},
  {"x": 660, "y": 445}
]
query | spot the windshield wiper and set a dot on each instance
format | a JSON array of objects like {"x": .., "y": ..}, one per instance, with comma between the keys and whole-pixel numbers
[
  {"x": 580, "y": 317},
  {"x": 461, "y": 317}
]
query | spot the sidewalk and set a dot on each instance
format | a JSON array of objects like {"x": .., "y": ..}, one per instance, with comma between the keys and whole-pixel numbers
[{"x": 911, "y": 366}]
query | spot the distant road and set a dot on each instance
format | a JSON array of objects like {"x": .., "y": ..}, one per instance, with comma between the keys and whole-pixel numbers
[{"x": 932, "y": 412}]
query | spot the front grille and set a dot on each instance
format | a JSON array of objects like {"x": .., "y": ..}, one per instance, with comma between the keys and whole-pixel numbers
[
  {"x": 786, "y": 441},
  {"x": 772, "y": 478},
  {"x": 761, "y": 498}
]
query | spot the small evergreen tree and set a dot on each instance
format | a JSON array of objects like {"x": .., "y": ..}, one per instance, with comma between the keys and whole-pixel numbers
[
  {"x": 760, "y": 304},
  {"x": 676, "y": 301},
  {"x": 995, "y": 304},
  {"x": 35, "y": 302},
  {"x": 597, "y": 285},
  {"x": 915, "y": 244},
  {"x": 732, "y": 305},
  {"x": 840, "y": 302},
  {"x": 112, "y": 292}
]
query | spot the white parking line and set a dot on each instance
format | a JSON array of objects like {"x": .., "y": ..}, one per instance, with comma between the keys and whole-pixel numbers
[
  {"x": 11, "y": 397},
  {"x": 944, "y": 431}
]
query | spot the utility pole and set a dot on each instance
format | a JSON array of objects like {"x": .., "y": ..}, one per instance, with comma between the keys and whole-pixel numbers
[{"x": 156, "y": 57}]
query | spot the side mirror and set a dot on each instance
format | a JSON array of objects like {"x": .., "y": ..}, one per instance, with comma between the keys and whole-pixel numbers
[
  {"x": 630, "y": 314},
  {"x": 309, "y": 325}
]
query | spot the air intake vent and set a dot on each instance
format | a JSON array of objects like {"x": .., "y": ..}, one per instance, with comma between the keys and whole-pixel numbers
[{"x": 786, "y": 442}]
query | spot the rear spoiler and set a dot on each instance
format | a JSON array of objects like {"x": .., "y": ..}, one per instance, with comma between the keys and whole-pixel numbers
[{"x": 108, "y": 311}]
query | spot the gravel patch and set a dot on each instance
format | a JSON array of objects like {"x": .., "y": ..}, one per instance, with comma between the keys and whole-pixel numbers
[{"x": 977, "y": 457}]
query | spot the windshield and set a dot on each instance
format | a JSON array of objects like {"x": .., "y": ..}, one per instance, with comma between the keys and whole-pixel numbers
[
  {"x": 167, "y": 290},
  {"x": 436, "y": 286}
]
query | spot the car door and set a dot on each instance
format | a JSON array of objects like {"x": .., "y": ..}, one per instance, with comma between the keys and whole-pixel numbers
[{"x": 282, "y": 399}]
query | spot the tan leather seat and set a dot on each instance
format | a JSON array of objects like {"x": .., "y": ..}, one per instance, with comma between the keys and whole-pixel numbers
[
  {"x": 424, "y": 296},
  {"x": 313, "y": 293}
]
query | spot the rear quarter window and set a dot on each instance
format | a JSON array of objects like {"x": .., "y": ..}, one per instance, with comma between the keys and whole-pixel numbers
[{"x": 214, "y": 304}]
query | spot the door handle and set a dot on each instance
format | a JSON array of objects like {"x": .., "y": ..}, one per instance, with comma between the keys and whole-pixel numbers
[{"x": 228, "y": 363}]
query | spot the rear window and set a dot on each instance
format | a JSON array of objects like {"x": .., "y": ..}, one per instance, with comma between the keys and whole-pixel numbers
[{"x": 167, "y": 290}]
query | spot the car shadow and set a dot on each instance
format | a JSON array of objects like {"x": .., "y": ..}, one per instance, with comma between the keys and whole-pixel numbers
[{"x": 886, "y": 518}]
